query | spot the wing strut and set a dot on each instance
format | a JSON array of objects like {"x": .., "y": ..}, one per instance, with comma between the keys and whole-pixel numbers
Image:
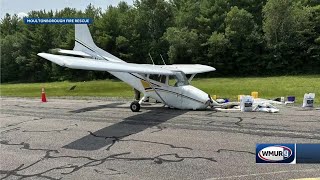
[
  {"x": 147, "y": 79},
  {"x": 151, "y": 59},
  {"x": 163, "y": 60}
]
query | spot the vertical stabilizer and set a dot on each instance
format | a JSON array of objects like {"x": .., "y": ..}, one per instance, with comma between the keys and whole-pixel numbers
[
  {"x": 83, "y": 37},
  {"x": 85, "y": 43}
]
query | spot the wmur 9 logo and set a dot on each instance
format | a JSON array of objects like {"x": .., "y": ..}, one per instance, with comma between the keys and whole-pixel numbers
[{"x": 275, "y": 153}]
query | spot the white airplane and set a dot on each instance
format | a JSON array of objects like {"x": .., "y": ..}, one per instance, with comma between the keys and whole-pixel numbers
[{"x": 152, "y": 80}]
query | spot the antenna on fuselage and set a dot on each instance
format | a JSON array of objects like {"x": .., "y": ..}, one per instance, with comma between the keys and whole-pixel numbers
[
  {"x": 162, "y": 60},
  {"x": 151, "y": 58}
]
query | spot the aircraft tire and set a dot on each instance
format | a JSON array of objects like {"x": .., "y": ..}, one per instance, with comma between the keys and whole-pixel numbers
[{"x": 135, "y": 106}]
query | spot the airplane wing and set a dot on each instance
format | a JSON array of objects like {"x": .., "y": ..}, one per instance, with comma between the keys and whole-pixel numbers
[
  {"x": 189, "y": 68},
  {"x": 101, "y": 65}
]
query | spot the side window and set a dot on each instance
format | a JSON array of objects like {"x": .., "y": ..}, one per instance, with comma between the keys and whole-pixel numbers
[
  {"x": 159, "y": 78},
  {"x": 163, "y": 78}
]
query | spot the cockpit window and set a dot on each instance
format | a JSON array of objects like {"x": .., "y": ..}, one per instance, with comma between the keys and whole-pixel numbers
[{"x": 178, "y": 79}]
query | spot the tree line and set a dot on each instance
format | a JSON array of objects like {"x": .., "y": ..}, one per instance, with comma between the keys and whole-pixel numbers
[{"x": 238, "y": 38}]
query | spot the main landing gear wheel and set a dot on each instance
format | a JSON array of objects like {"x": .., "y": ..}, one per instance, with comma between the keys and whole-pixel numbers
[{"x": 135, "y": 106}]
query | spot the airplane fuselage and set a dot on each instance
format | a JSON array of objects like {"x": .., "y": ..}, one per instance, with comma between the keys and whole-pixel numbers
[{"x": 181, "y": 97}]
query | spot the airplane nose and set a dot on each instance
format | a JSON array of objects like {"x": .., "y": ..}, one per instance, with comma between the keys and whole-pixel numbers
[{"x": 201, "y": 98}]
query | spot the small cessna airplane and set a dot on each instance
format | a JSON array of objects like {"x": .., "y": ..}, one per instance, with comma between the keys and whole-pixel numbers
[{"x": 152, "y": 80}]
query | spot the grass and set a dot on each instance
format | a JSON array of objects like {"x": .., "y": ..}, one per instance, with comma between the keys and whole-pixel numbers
[{"x": 268, "y": 87}]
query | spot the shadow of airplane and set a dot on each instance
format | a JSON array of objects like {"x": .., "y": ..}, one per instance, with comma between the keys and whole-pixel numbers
[
  {"x": 130, "y": 125},
  {"x": 146, "y": 106},
  {"x": 112, "y": 105}
]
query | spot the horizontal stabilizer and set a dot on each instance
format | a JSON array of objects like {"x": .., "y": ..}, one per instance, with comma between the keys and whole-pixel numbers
[{"x": 72, "y": 52}]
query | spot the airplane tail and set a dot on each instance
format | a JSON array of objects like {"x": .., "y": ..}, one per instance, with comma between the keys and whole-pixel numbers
[
  {"x": 85, "y": 43},
  {"x": 83, "y": 38}
]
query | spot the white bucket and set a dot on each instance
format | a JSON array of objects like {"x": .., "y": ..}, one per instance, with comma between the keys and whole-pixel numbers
[
  {"x": 308, "y": 100},
  {"x": 246, "y": 103}
]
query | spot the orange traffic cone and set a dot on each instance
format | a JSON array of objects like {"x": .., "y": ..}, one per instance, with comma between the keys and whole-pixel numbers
[{"x": 43, "y": 96}]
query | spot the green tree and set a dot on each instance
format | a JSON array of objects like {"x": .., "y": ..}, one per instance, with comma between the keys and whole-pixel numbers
[
  {"x": 185, "y": 13},
  {"x": 152, "y": 19},
  {"x": 9, "y": 67},
  {"x": 9, "y": 25},
  {"x": 183, "y": 45},
  {"x": 273, "y": 36},
  {"x": 313, "y": 41},
  {"x": 218, "y": 52},
  {"x": 241, "y": 30},
  {"x": 286, "y": 23},
  {"x": 282, "y": 19}
]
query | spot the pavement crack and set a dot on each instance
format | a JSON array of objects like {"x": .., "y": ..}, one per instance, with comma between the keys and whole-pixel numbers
[
  {"x": 10, "y": 130},
  {"x": 27, "y": 147},
  {"x": 120, "y": 139},
  {"x": 48, "y": 155},
  {"x": 55, "y": 130},
  {"x": 240, "y": 120},
  {"x": 114, "y": 172},
  {"x": 237, "y": 151},
  {"x": 163, "y": 158},
  {"x": 159, "y": 143},
  {"x": 15, "y": 124},
  {"x": 211, "y": 122},
  {"x": 88, "y": 161}
]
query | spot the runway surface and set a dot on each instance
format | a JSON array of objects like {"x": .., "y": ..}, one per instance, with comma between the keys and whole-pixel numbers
[{"x": 103, "y": 139}]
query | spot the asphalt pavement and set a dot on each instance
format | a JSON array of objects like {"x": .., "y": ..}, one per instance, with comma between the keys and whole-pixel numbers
[{"x": 103, "y": 139}]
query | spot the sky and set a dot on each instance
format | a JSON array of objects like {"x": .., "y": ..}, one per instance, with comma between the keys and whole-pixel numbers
[{"x": 21, "y": 7}]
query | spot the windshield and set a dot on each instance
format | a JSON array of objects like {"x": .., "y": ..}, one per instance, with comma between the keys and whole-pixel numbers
[{"x": 181, "y": 79}]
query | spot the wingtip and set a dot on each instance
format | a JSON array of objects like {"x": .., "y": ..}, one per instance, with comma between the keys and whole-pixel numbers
[{"x": 41, "y": 54}]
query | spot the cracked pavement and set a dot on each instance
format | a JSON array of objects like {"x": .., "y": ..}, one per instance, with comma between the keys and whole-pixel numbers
[{"x": 103, "y": 139}]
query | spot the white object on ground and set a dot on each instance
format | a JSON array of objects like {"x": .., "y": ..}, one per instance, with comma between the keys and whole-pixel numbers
[
  {"x": 308, "y": 99},
  {"x": 260, "y": 100},
  {"x": 246, "y": 103},
  {"x": 220, "y": 100},
  {"x": 289, "y": 102},
  {"x": 266, "y": 107}
]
